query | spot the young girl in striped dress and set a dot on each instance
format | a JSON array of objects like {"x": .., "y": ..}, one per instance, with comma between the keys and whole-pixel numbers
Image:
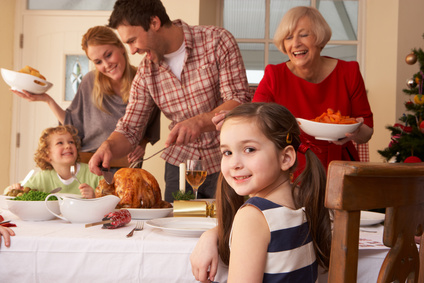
[{"x": 282, "y": 232}]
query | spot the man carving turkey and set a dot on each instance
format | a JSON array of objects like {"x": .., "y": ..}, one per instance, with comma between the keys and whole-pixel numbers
[{"x": 191, "y": 73}]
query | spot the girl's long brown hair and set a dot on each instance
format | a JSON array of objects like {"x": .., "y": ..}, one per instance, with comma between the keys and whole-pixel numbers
[
  {"x": 101, "y": 35},
  {"x": 280, "y": 126}
]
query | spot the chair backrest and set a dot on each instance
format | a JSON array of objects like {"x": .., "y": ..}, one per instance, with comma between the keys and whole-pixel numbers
[{"x": 399, "y": 187}]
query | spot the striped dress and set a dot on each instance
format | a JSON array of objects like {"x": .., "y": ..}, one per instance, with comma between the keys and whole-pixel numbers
[{"x": 291, "y": 256}]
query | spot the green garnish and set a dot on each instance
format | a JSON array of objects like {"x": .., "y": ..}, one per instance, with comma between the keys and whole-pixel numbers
[
  {"x": 34, "y": 196},
  {"x": 179, "y": 195}
]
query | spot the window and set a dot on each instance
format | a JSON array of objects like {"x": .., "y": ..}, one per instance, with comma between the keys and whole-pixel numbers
[
  {"x": 93, "y": 5},
  {"x": 253, "y": 24}
]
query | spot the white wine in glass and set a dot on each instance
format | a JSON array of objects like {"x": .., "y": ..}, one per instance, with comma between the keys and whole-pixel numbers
[{"x": 195, "y": 174}]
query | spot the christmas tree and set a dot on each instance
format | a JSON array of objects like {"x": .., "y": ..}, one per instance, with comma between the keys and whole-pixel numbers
[{"x": 407, "y": 137}]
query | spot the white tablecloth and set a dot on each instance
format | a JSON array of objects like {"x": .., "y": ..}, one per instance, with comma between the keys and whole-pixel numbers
[{"x": 58, "y": 251}]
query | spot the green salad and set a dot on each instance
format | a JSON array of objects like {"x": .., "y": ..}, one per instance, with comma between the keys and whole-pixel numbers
[
  {"x": 179, "y": 195},
  {"x": 34, "y": 196}
]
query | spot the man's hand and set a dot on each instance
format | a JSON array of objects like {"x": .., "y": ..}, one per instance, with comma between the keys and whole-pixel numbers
[
  {"x": 218, "y": 119},
  {"x": 190, "y": 130},
  {"x": 184, "y": 132},
  {"x": 116, "y": 146},
  {"x": 137, "y": 153},
  {"x": 101, "y": 157}
]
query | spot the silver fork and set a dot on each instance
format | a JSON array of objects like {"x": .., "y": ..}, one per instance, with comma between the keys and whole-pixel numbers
[
  {"x": 73, "y": 173},
  {"x": 138, "y": 227},
  {"x": 135, "y": 164}
]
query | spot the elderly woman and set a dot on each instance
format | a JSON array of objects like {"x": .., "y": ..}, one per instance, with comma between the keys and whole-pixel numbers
[{"x": 308, "y": 84}]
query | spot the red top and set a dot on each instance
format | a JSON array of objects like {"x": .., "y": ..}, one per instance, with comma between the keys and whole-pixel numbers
[{"x": 343, "y": 90}]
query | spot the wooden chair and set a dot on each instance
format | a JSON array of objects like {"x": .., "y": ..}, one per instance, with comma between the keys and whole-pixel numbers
[{"x": 354, "y": 186}]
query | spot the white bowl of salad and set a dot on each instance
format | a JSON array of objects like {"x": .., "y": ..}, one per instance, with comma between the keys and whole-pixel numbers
[{"x": 31, "y": 206}]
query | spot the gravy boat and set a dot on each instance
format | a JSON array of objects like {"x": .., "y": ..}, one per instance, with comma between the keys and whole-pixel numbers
[{"x": 79, "y": 210}]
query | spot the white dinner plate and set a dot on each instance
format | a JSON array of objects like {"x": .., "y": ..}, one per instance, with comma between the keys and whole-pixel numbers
[
  {"x": 183, "y": 226},
  {"x": 369, "y": 218},
  {"x": 149, "y": 213}
]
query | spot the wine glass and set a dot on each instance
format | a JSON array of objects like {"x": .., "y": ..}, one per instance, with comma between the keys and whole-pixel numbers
[{"x": 195, "y": 174}]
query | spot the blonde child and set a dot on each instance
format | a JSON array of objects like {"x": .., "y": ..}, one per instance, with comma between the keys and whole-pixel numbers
[
  {"x": 282, "y": 232},
  {"x": 57, "y": 151}
]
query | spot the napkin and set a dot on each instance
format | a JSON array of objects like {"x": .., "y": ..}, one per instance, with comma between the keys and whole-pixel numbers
[{"x": 194, "y": 208}]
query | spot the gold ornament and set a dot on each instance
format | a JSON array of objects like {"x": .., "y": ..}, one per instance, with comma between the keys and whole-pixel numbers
[
  {"x": 411, "y": 59},
  {"x": 419, "y": 99}
]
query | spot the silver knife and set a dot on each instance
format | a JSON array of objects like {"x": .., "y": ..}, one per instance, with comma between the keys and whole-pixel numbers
[{"x": 107, "y": 175}]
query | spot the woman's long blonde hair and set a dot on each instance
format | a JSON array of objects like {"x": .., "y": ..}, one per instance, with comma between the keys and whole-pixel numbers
[{"x": 101, "y": 35}]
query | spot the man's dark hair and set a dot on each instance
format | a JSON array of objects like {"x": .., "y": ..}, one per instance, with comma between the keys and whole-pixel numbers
[{"x": 138, "y": 13}]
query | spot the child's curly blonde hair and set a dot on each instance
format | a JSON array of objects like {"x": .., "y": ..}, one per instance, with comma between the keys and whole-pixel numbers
[{"x": 42, "y": 153}]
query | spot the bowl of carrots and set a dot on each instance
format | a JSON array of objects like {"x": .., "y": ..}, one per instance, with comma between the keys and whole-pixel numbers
[{"x": 329, "y": 126}]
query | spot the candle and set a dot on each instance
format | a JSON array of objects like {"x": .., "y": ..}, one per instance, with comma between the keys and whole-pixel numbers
[{"x": 182, "y": 177}]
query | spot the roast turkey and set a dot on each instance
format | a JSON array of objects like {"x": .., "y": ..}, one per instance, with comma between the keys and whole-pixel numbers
[{"x": 136, "y": 188}]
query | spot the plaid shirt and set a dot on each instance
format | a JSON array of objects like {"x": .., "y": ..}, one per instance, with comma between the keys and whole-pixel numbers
[{"x": 213, "y": 73}]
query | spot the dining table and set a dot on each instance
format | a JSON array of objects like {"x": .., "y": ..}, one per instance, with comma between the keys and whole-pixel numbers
[
  {"x": 371, "y": 254},
  {"x": 60, "y": 251}
]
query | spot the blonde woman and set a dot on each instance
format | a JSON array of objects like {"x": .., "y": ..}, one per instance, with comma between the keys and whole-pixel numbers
[{"x": 103, "y": 94}]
